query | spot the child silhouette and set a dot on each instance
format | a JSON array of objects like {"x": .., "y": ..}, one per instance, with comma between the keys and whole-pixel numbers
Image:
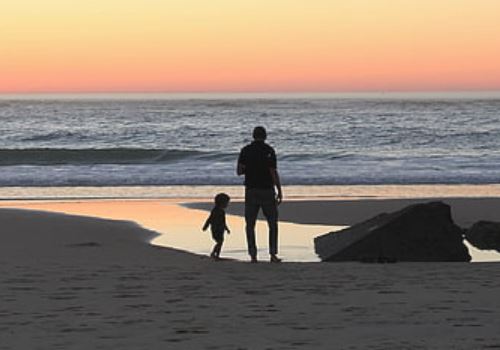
[{"x": 217, "y": 223}]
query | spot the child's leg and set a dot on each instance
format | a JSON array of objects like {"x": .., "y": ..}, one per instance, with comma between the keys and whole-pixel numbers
[
  {"x": 218, "y": 248},
  {"x": 218, "y": 237},
  {"x": 215, "y": 252}
]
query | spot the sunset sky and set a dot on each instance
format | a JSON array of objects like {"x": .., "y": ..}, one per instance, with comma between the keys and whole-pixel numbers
[{"x": 249, "y": 45}]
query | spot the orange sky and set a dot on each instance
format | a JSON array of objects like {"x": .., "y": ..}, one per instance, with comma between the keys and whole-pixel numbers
[{"x": 257, "y": 45}]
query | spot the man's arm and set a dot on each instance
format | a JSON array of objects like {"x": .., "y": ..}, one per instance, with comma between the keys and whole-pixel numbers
[
  {"x": 273, "y": 168},
  {"x": 240, "y": 167},
  {"x": 277, "y": 183}
]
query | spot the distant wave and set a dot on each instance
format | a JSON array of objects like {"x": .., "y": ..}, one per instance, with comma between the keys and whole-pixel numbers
[
  {"x": 60, "y": 156},
  {"x": 53, "y": 136},
  {"x": 297, "y": 157}
]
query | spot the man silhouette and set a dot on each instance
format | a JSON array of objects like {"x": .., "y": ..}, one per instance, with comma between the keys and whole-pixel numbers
[{"x": 257, "y": 161}]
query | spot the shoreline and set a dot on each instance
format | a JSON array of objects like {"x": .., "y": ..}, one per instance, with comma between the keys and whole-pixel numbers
[{"x": 204, "y": 192}]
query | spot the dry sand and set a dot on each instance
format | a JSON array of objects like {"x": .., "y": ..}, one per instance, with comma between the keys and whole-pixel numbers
[{"x": 71, "y": 282}]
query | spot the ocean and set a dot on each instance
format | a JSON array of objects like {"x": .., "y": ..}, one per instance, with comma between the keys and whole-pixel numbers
[{"x": 147, "y": 140}]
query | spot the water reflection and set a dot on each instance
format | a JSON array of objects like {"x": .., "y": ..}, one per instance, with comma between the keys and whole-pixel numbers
[
  {"x": 180, "y": 227},
  {"x": 296, "y": 241}
]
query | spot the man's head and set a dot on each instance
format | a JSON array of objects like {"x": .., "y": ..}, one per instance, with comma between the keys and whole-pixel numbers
[{"x": 259, "y": 133}]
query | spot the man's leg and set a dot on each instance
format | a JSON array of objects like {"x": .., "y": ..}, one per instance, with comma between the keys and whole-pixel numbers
[
  {"x": 270, "y": 209},
  {"x": 251, "y": 212}
]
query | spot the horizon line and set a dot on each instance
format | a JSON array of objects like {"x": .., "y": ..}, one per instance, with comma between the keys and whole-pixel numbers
[
  {"x": 247, "y": 91},
  {"x": 251, "y": 94}
]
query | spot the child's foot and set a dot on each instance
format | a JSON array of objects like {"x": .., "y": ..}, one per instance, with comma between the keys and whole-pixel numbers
[{"x": 275, "y": 259}]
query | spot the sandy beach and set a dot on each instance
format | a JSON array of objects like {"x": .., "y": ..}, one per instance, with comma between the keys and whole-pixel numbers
[{"x": 75, "y": 282}]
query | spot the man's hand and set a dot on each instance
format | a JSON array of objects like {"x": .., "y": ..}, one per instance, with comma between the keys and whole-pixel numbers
[
  {"x": 279, "y": 198},
  {"x": 276, "y": 181},
  {"x": 228, "y": 231}
]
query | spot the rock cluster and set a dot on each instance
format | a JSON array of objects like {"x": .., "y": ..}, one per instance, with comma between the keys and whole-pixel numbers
[
  {"x": 420, "y": 232},
  {"x": 484, "y": 235}
]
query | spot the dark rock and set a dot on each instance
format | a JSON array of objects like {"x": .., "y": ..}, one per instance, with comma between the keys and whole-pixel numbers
[
  {"x": 484, "y": 235},
  {"x": 420, "y": 232}
]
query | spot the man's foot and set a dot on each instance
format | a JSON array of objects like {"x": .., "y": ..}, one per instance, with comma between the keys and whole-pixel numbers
[
  {"x": 275, "y": 259},
  {"x": 253, "y": 259}
]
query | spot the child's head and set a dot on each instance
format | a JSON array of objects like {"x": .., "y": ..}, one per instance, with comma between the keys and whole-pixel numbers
[{"x": 222, "y": 200}]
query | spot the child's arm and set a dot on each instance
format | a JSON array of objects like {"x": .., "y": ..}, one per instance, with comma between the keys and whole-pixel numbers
[
  {"x": 207, "y": 223},
  {"x": 225, "y": 225}
]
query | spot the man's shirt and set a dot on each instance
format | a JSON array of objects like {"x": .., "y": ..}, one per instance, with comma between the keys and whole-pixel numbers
[{"x": 258, "y": 158}]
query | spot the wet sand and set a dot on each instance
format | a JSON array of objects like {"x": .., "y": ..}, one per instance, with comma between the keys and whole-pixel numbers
[
  {"x": 73, "y": 282},
  {"x": 465, "y": 211}
]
